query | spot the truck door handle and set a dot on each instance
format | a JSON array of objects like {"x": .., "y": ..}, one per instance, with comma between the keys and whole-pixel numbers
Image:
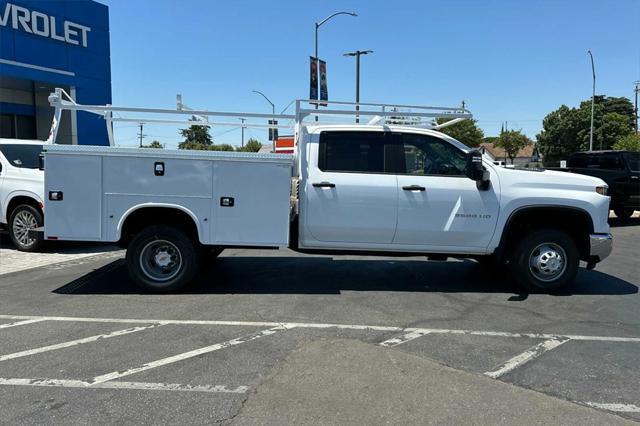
[
  {"x": 414, "y": 188},
  {"x": 323, "y": 185}
]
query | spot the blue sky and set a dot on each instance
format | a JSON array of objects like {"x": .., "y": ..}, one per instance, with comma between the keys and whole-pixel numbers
[{"x": 510, "y": 61}]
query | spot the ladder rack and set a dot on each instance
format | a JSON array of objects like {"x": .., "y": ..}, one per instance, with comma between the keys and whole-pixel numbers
[{"x": 378, "y": 114}]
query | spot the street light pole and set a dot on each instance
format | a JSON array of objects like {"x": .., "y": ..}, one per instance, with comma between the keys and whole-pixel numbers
[
  {"x": 273, "y": 114},
  {"x": 318, "y": 25},
  {"x": 636, "y": 89},
  {"x": 357, "y": 54},
  {"x": 593, "y": 100}
]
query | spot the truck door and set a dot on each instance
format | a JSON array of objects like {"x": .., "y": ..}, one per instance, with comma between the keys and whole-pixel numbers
[
  {"x": 2, "y": 191},
  {"x": 349, "y": 196},
  {"x": 633, "y": 181},
  {"x": 438, "y": 206}
]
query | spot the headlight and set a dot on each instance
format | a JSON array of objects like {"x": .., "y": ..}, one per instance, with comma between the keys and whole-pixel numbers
[{"x": 602, "y": 190}]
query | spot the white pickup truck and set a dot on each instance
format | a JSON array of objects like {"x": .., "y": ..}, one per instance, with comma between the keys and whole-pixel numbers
[
  {"x": 374, "y": 189},
  {"x": 21, "y": 190}
]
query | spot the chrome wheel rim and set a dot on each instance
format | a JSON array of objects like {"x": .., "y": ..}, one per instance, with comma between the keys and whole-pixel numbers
[
  {"x": 547, "y": 262},
  {"x": 160, "y": 260},
  {"x": 23, "y": 222}
]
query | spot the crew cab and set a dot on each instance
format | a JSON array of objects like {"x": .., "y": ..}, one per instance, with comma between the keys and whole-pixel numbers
[
  {"x": 619, "y": 169},
  {"x": 21, "y": 191},
  {"x": 376, "y": 189}
]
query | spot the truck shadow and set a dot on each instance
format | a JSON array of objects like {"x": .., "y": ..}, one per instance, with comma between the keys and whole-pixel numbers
[
  {"x": 324, "y": 275},
  {"x": 615, "y": 222}
]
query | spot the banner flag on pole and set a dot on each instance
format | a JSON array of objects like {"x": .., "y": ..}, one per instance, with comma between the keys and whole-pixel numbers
[
  {"x": 324, "y": 93},
  {"x": 313, "y": 78}
]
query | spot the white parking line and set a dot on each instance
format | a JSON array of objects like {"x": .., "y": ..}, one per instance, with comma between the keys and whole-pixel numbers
[
  {"x": 398, "y": 340},
  {"x": 618, "y": 408},
  {"x": 525, "y": 357},
  {"x": 545, "y": 336},
  {"x": 75, "y": 342},
  {"x": 122, "y": 385},
  {"x": 19, "y": 323},
  {"x": 186, "y": 355}
]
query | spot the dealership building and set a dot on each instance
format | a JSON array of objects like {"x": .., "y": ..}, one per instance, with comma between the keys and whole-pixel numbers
[{"x": 46, "y": 44}]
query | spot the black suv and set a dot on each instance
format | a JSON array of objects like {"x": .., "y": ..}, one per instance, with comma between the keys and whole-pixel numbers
[{"x": 619, "y": 169}]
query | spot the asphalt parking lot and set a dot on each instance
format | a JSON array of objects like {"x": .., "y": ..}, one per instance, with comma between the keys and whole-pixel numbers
[{"x": 81, "y": 344}]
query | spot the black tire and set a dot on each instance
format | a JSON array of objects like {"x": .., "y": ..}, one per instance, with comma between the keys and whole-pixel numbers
[
  {"x": 25, "y": 217},
  {"x": 623, "y": 213},
  {"x": 143, "y": 265},
  {"x": 539, "y": 247}
]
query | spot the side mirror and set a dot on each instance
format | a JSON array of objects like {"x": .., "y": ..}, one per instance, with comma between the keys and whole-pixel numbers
[{"x": 476, "y": 171}]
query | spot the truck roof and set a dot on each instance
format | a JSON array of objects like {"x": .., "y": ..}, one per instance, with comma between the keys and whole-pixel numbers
[
  {"x": 603, "y": 151},
  {"x": 5, "y": 141},
  {"x": 385, "y": 128}
]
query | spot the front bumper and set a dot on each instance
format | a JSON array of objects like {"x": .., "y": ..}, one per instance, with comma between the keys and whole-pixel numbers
[{"x": 600, "y": 246}]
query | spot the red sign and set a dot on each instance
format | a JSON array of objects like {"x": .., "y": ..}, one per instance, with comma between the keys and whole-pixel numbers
[{"x": 285, "y": 145}]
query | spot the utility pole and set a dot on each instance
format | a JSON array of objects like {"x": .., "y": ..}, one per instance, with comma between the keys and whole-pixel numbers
[
  {"x": 141, "y": 135},
  {"x": 242, "y": 119},
  {"x": 357, "y": 54},
  {"x": 636, "y": 89},
  {"x": 593, "y": 101}
]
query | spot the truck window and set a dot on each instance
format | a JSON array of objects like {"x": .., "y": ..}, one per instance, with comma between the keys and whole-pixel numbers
[
  {"x": 611, "y": 161},
  {"x": 604, "y": 161},
  {"x": 360, "y": 152},
  {"x": 24, "y": 156},
  {"x": 578, "y": 161},
  {"x": 633, "y": 160},
  {"x": 427, "y": 155}
]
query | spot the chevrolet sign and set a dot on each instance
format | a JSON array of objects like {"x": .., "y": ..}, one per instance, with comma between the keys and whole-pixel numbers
[{"x": 43, "y": 25}]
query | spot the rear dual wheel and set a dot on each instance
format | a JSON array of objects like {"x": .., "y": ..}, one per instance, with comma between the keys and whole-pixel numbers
[{"x": 161, "y": 258}]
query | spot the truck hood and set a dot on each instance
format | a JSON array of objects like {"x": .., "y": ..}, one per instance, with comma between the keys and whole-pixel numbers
[{"x": 547, "y": 179}]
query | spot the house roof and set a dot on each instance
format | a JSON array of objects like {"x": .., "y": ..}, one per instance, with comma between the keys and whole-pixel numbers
[{"x": 526, "y": 152}]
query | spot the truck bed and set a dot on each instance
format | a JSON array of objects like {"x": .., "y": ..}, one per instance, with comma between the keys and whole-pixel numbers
[{"x": 233, "y": 198}]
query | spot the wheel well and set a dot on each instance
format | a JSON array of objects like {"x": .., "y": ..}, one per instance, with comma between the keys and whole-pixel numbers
[
  {"x": 146, "y": 216},
  {"x": 22, "y": 199},
  {"x": 575, "y": 222}
]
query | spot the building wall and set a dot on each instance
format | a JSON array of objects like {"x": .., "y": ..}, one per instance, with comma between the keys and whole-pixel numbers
[{"x": 80, "y": 62}]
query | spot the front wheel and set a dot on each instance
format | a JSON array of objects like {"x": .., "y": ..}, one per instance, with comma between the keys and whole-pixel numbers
[
  {"x": 23, "y": 219},
  {"x": 162, "y": 258},
  {"x": 623, "y": 213},
  {"x": 545, "y": 259}
]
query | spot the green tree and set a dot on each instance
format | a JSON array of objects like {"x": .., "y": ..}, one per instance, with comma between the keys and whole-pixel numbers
[
  {"x": 466, "y": 131},
  {"x": 155, "y": 144},
  {"x": 490, "y": 139},
  {"x": 512, "y": 141},
  {"x": 221, "y": 147},
  {"x": 252, "y": 145},
  {"x": 196, "y": 137},
  {"x": 630, "y": 142},
  {"x": 566, "y": 130},
  {"x": 612, "y": 127}
]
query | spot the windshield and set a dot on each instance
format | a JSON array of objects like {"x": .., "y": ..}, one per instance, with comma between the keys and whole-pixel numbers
[
  {"x": 22, "y": 155},
  {"x": 633, "y": 159}
]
